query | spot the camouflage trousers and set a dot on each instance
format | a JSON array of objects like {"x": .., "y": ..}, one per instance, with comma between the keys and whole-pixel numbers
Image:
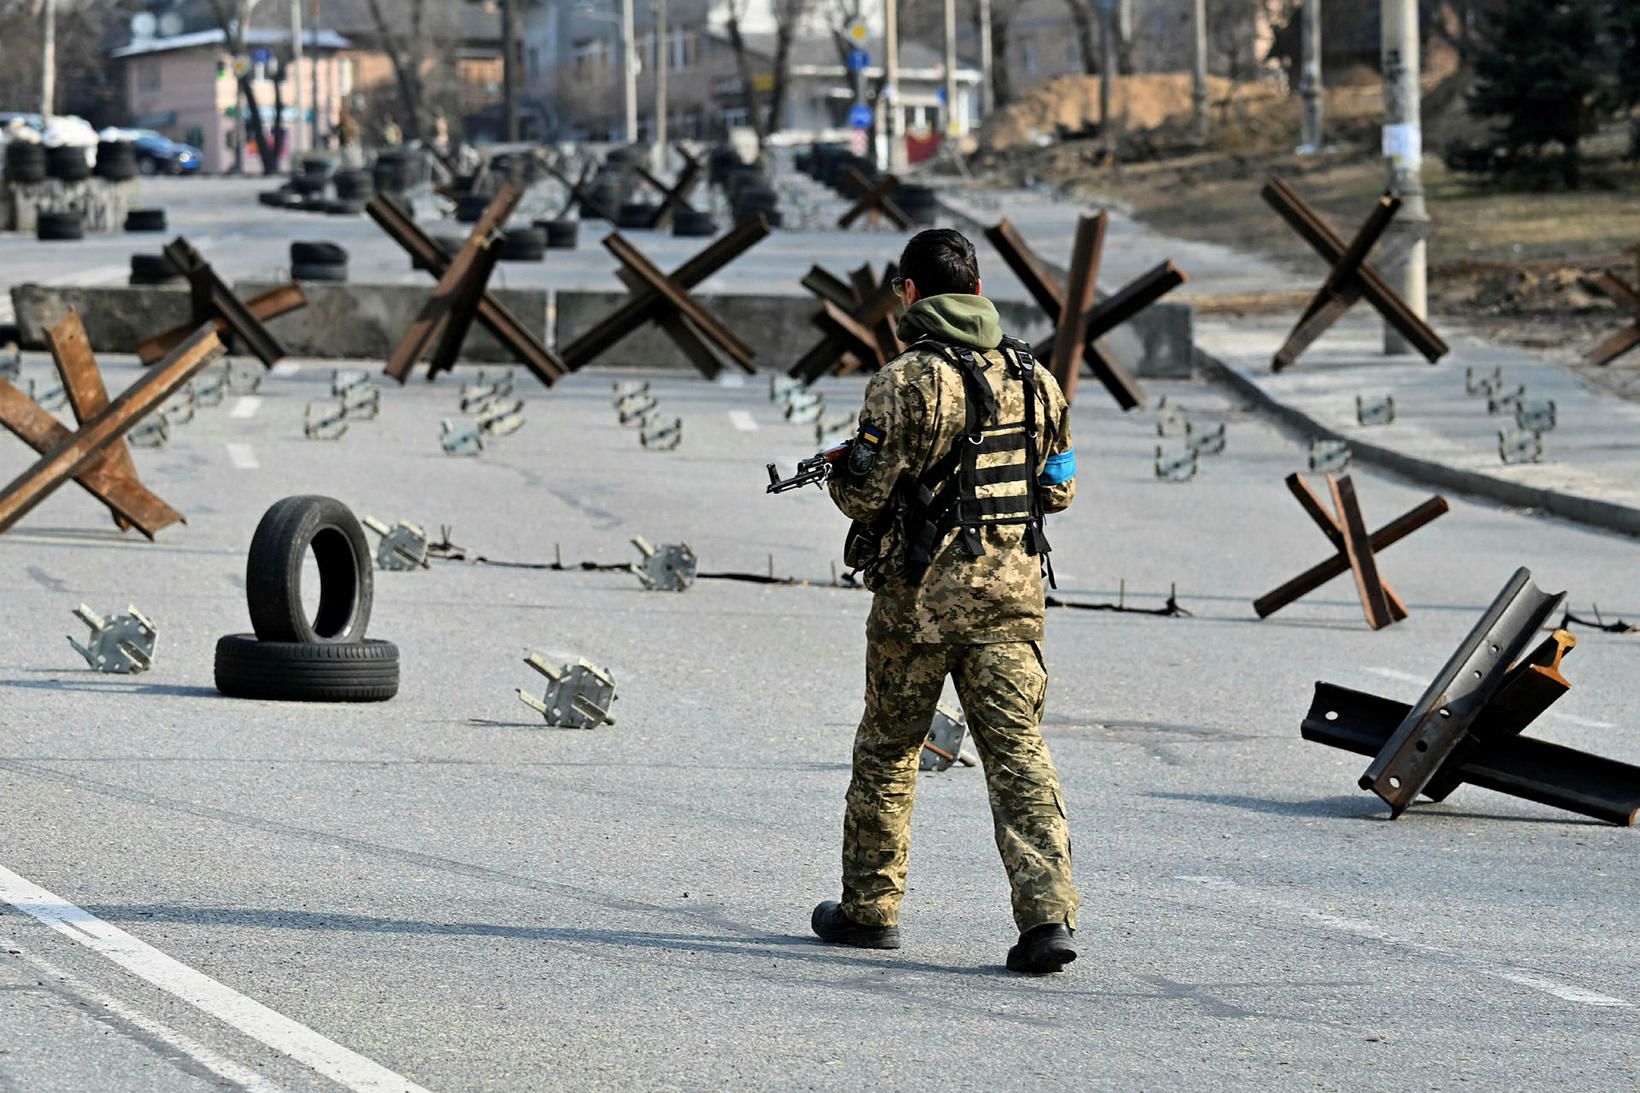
[{"x": 1002, "y": 687}]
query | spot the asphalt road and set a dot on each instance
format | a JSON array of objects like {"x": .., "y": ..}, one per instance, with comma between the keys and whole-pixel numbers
[{"x": 441, "y": 892}]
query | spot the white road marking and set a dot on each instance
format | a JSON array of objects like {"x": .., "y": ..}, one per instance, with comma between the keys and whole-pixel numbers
[
  {"x": 732, "y": 379},
  {"x": 342, "y": 1066},
  {"x": 1392, "y": 673},
  {"x": 243, "y": 457},
  {"x": 246, "y": 406},
  {"x": 741, "y": 420},
  {"x": 286, "y": 368},
  {"x": 96, "y": 276},
  {"x": 1361, "y": 928},
  {"x": 242, "y": 1076}
]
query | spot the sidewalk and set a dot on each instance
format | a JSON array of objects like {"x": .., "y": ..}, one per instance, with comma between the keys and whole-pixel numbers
[{"x": 1590, "y": 471}]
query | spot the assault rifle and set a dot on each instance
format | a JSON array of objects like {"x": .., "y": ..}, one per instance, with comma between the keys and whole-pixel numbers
[{"x": 816, "y": 468}]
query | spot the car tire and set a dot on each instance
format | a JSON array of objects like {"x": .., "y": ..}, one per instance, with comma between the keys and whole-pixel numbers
[
  {"x": 341, "y": 207},
  {"x": 318, "y": 253},
  {"x": 273, "y": 572},
  {"x": 25, "y": 162},
  {"x": 693, "y": 224},
  {"x": 67, "y": 163},
  {"x": 59, "y": 226},
  {"x": 523, "y": 245},
  {"x": 469, "y": 207},
  {"x": 153, "y": 269},
  {"x": 147, "y": 166},
  {"x": 145, "y": 220},
  {"x": 293, "y": 671},
  {"x": 318, "y": 271}
]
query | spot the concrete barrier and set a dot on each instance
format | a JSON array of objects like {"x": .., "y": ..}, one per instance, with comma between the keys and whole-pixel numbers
[
  {"x": 780, "y": 330},
  {"x": 341, "y": 321}
]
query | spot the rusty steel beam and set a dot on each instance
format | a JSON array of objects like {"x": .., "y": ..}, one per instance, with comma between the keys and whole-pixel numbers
[
  {"x": 874, "y": 199},
  {"x": 264, "y": 305},
  {"x": 212, "y": 298},
  {"x": 682, "y": 335},
  {"x": 679, "y": 300},
  {"x": 1621, "y": 341},
  {"x": 1071, "y": 333},
  {"x": 87, "y": 394},
  {"x": 1038, "y": 278},
  {"x": 1338, "y": 565},
  {"x": 1331, "y": 247},
  {"x": 1330, "y": 526},
  {"x": 78, "y": 453},
  {"x": 452, "y": 284},
  {"x": 528, "y": 349},
  {"x": 1359, "y": 552},
  {"x": 651, "y": 305}
]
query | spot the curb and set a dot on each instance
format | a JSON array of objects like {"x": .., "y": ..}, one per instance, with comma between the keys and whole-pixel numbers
[{"x": 1606, "y": 515}]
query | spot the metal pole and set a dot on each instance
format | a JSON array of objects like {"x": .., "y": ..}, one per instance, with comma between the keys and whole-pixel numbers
[
  {"x": 891, "y": 85},
  {"x": 317, "y": 136},
  {"x": 951, "y": 124},
  {"x": 985, "y": 93},
  {"x": 662, "y": 103},
  {"x": 1198, "y": 72},
  {"x": 1309, "y": 80},
  {"x": 236, "y": 52},
  {"x": 1403, "y": 157},
  {"x": 48, "y": 60},
  {"x": 1108, "y": 124},
  {"x": 629, "y": 71},
  {"x": 299, "y": 129},
  {"x": 509, "y": 69}
]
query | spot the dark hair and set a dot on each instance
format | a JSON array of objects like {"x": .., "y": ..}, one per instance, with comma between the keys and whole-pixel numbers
[{"x": 940, "y": 260}]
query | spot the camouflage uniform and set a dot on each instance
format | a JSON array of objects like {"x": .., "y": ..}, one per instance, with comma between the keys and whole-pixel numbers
[{"x": 976, "y": 619}]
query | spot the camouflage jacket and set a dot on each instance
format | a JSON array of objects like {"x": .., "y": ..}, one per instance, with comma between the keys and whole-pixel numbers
[{"x": 918, "y": 403}]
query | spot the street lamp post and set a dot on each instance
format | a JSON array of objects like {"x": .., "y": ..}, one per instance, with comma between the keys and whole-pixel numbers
[{"x": 1403, "y": 157}]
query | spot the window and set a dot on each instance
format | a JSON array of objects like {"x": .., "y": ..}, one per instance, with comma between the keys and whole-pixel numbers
[
  {"x": 685, "y": 49},
  {"x": 592, "y": 58},
  {"x": 1028, "y": 58},
  {"x": 148, "y": 74}
]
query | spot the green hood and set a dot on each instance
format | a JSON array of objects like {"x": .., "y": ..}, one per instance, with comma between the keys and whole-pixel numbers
[{"x": 956, "y": 318}]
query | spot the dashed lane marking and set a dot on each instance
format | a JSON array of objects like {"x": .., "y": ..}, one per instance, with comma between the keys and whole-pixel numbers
[
  {"x": 246, "y": 406},
  {"x": 742, "y": 420},
  {"x": 243, "y": 457}
]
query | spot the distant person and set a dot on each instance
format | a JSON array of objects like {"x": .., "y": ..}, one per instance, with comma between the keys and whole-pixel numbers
[
  {"x": 392, "y": 135},
  {"x": 964, "y": 446}
]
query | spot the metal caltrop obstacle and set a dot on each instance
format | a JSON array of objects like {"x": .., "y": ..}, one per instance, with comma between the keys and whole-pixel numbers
[
  {"x": 96, "y": 456},
  {"x": 1467, "y": 725},
  {"x": 213, "y": 302},
  {"x": 466, "y": 298},
  {"x": 1624, "y": 295},
  {"x": 856, "y": 321},
  {"x": 873, "y": 200},
  {"x": 674, "y": 198},
  {"x": 1346, "y": 529},
  {"x": 1079, "y": 323},
  {"x": 664, "y": 299},
  {"x": 1351, "y": 279}
]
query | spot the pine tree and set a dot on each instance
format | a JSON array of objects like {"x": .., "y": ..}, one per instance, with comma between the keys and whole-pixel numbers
[{"x": 1542, "y": 71}]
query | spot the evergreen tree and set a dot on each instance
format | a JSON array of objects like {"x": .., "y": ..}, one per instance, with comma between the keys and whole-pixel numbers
[
  {"x": 1542, "y": 72},
  {"x": 1625, "y": 32}
]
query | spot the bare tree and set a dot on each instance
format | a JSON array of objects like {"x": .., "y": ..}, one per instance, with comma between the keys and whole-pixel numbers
[
  {"x": 789, "y": 16},
  {"x": 408, "y": 52},
  {"x": 1002, "y": 84},
  {"x": 1082, "y": 19},
  {"x": 233, "y": 36}
]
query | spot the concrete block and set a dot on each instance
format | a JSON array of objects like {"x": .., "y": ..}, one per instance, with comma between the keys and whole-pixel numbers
[
  {"x": 776, "y": 327},
  {"x": 116, "y": 317},
  {"x": 365, "y": 322},
  {"x": 341, "y": 321}
]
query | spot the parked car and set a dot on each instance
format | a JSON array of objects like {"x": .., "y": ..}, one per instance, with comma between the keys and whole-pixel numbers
[{"x": 158, "y": 154}]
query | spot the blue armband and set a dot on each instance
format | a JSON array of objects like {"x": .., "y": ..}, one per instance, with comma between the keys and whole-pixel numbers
[{"x": 1060, "y": 468}]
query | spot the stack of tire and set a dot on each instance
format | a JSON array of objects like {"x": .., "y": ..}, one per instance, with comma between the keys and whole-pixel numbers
[
  {"x": 116, "y": 160},
  {"x": 393, "y": 171},
  {"x": 471, "y": 206},
  {"x": 154, "y": 269},
  {"x": 311, "y": 182},
  {"x": 25, "y": 161},
  {"x": 317, "y": 262},
  {"x": 67, "y": 162},
  {"x": 64, "y": 225},
  {"x": 294, "y": 658},
  {"x": 561, "y": 234},
  {"x": 636, "y": 216},
  {"x": 751, "y": 195},
  {"x": 693, "y": 224},
  {"x": 353, "y": 189},
  {"x": 916, "y": 201}
]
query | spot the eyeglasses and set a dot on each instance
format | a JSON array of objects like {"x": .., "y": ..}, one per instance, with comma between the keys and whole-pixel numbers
[{"x": 898, "y": 285}]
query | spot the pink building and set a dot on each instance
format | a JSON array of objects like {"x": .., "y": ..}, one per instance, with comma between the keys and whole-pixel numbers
[{"x": 184, "y": 87}]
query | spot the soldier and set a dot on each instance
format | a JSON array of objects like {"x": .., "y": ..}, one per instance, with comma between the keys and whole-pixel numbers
[{"x": 964, "y": 445}]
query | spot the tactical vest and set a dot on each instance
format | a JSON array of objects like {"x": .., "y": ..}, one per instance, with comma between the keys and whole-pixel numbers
[{"x": 988, "y": 478}]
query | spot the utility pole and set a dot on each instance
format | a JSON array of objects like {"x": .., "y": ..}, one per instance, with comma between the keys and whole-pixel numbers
[
  {"x": 662, "y": 105},
  {"x": 313, "y": 74},
  {"x": 891, "y": 85},
  {"x": 1198, "y": 72},
  {"x": 951, "y": 69},
  {"x": 48, "y": 60},
  {"x": 297, "y": 130},
  {"x": 509, "y": 70},
  {"x": 986, "y": 96},
  {"x": 1403, "y": 157},
  {"x": 629, "y": 71},
  {"x": 236, "y": 50},
  {"x": 1107, "y": 67},
  {"x": 1309, "y": 80}
]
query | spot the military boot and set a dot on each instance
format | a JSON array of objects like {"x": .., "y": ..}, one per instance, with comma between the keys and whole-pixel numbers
[
  {"x": 1042, "y": 949},
  {"x": 834, "y": 927}
]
